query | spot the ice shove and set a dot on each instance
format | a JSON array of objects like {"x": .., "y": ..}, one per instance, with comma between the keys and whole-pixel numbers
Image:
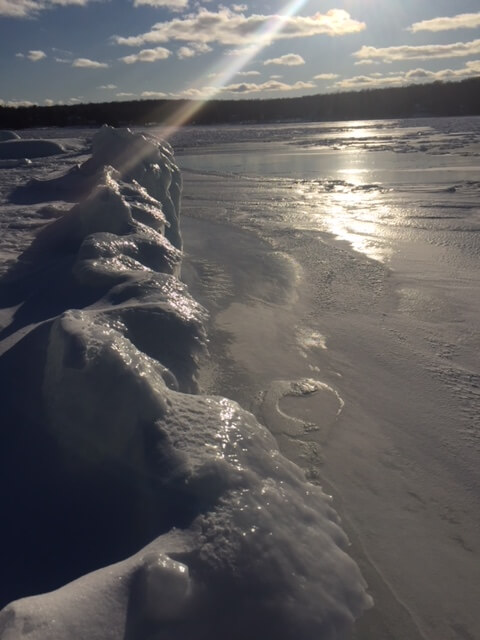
[{"x": 156, "y": 511}]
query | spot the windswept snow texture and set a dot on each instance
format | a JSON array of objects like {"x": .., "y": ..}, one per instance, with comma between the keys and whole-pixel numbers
[{"x": 169, "y": 514}]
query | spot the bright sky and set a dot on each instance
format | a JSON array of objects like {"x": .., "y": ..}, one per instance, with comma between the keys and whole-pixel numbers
[{"x": 102, "y": 50}]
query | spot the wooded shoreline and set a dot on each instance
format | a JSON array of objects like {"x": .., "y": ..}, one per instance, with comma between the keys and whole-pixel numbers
[{"x": 426, "y": 100}]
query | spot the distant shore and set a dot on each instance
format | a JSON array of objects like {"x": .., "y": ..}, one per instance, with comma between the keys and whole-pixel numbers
[{"x": 438, "y": 99}]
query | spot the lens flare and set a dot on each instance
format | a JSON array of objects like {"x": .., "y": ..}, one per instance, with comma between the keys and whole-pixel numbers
[{"x": 223, "y": 73}]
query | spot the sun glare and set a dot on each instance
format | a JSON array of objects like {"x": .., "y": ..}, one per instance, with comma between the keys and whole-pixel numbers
[{"x": 226, "y": 69}]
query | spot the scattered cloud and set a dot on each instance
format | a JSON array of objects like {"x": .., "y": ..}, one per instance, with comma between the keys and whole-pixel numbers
[
  {"x": 86, "y": 63},
  {"x": 16, "y": 103},
  {"x": 147, "y": 55},
  {"x": 18, "y": 8},
  {"x": 460, "y": 21},
  {"x": 289, "y": 60},
  {"x": 186, "y": 52},
  {"x": 126, "y": 94},
  {"x": 414, "y": 76},
  {"x": 108, "y": 87},
  {"x": 226, "y": 27},
  {"x": 35, "y": 55},
  {"x": 326, "y": 76},
  {"x": 243, "y": 88},
  {"x": 248, "y": 73},
  {"x": 196, "y": 94},
  {"x": 173, "y": 5},
  {"x": 48, "y": 102},
  {"x": 192, "y": 50},
  {"x": 276, "y": 76},
  {"x": 420, "y": 52},
  {"x": 31, "y": 8},
  {"x": 247, "y": 52},
  {"x": 153, "y": 94},
  {"x": 269, "y": 85}
]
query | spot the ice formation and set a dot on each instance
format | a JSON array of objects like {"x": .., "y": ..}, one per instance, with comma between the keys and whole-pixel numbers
[
  {"x": 144, "y": 508},
  {"x": 19, "y": 149},
  {"x": 8, "y": 135}
]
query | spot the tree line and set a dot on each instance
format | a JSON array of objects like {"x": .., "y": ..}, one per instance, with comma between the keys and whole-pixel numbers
[{"x": 435, "y": 99}]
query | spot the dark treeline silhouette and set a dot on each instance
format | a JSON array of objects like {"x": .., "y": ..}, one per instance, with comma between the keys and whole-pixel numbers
[{"x": 437, "y": 99}]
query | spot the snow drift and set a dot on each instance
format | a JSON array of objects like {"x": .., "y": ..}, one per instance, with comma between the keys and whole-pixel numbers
[
  {"x": 20, "y": 149},
  {"x": 143, "y": 507}
]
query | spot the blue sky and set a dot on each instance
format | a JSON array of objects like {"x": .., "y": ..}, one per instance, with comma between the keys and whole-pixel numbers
[{"x": 71, "y": 51}]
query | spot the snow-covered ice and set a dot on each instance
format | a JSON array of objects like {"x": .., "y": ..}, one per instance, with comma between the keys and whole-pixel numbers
[{"x": 132, "y": 505}]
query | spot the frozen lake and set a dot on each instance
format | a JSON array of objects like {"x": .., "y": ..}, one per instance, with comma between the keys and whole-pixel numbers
[
  {"x": 339, "y": 263},
  {"x": 363, "y": 274}
]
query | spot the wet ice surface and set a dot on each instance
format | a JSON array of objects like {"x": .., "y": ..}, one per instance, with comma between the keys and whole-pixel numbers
[{"x": 382, "y": 304}]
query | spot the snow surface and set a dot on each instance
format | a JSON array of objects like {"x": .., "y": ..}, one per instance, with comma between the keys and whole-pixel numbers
[{"x": 146, "y": 509}]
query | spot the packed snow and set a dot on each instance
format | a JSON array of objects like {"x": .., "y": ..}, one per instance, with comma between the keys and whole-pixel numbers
[{"x": 136, "y": 506}]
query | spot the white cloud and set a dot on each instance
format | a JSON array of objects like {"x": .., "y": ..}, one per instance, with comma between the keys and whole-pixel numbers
[
  {"x": 460, "y": 21},
  {"x": 48, "y": 102},
  {"x": 326, "y": 76},
  {"x": 192, "y": 50},
  {"x": 153, "y": 94},
  {"x": 276, "y": 76},
  {"x": 35, "y": 55},
  {"x": 227, "y": 27},
  {"x": 244, "y": 51},
  {"x": 414, "y": 76},
  {"x": 107, "y": 87},
  {"x": 288, "y": 60},
  {"x": 239, "y": 7},
  {"x": 17, "y": 8},
  {"x": 269, "y": 85},
  {"x": 147, "y": 55},
  {"x": 208, "y": 92},
  {"x": 86, "y": 63},
  {"x": 16, "y": 103},
  {"x": 29, "y": 8},
  {"x": 421, "y": 52},
  {"x": 186, "y": 52},
  {"x": 67, "y": 3},
  {"x": 248, "y": 73},
  {"x": 194, "y": 93},
  {"x": 173, "y": 5}
]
